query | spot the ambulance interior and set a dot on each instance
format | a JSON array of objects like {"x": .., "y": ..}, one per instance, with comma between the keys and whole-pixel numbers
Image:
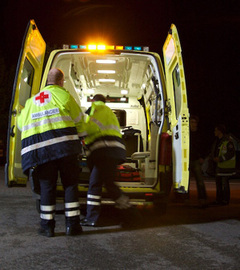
[{"x": 132, "y": 85}]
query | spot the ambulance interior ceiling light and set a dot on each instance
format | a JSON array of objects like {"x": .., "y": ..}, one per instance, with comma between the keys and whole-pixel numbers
[
  {"x": 106, "y": 71},
  {"x": 124, "y": 91},
  {"x": 105, "y": 61},
  {"x": 107, "y": 80}
]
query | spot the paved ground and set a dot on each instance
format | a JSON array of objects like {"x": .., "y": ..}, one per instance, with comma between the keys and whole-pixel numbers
[{"x": 185, "y": 238}]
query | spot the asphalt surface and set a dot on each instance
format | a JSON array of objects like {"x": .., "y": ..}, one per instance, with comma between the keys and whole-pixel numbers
[{"x": 186, "y": 237}]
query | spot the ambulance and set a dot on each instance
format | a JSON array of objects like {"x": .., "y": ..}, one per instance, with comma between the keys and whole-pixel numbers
[{"x": 149, "y": 99}]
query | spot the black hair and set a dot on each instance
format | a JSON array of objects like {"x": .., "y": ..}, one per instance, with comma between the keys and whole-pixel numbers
[{"x": 99, "y": 97}]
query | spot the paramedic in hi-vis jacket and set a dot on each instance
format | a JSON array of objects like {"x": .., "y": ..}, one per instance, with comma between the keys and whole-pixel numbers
[
  {"x": 225, "y": 158},
  {"x": 105, "y": 150},
  {"x": 51, "y": 124}
]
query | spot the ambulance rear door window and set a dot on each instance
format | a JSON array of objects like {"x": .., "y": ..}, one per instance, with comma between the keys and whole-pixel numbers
[
  {"x": 177, "y": 90},
  {"x": 26, "y": 82}
]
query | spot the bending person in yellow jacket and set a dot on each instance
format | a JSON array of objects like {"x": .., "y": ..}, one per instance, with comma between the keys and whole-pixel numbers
[{"x": 105, "y": 151}]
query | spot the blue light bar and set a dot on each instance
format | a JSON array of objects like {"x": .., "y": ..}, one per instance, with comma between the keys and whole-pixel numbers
[
  {"x": 85, "y": 47},
  {"x": 73, "y": 46}
]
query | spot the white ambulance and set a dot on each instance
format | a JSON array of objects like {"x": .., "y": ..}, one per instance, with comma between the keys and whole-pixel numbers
[{"x": 150, "y": 102}]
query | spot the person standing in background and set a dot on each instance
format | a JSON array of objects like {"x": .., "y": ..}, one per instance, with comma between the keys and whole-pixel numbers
[
  {"x": 224, "y": 155},
  {"x": 196, "y": 159}
]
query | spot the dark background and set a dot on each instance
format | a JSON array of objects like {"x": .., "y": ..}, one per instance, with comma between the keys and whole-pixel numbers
[{"x": 209, "y": 34}]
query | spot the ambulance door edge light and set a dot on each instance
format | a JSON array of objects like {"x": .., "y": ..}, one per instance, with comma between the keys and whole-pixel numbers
[{"x": 73, "y": 46}]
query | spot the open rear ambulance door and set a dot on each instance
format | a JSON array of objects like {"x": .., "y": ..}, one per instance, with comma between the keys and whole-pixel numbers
[
  {"x": 26, "y": 83},
  {"x": 177, "y": 108}
]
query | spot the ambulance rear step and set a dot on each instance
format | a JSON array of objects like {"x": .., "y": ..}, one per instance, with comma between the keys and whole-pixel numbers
[{"x": 104, "y": 201}]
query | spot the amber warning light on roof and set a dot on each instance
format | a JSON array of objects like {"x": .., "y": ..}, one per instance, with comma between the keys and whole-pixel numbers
[{"x": 102, "y": 47}]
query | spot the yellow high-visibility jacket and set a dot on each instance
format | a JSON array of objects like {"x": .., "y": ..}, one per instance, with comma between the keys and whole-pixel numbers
[
  {"x": 51, "y": 124},
  {"x": 227, "y": 157},
  {"x": 103, "y": 133}
]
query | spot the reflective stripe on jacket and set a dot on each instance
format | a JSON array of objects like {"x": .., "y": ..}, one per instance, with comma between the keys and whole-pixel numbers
[
  {"x": 51, "y": 124},
  {"x": 103, "y": 133},
  {"x": 101, "y": 122}
]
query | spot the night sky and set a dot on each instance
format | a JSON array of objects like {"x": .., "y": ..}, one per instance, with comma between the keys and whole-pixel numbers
[{"x": 209, "y": 33}]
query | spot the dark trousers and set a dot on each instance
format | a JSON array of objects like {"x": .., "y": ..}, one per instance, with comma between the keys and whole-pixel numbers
[
  {"x": 68, "y": 167},
  {"x": 103, "y": 173},
  {"x": 195, "y": 168},
  {"x": 222, "y": 189}
]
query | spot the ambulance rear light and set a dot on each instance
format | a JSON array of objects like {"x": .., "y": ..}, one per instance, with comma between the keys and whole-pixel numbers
[
  {"x": 103, "y": 47},
  {"x": 149, "y": 197},
  {"x": 148, "y": 194}
]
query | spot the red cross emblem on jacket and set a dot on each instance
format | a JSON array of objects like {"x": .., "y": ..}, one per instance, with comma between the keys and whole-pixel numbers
[{"x": 42, "y": 98}]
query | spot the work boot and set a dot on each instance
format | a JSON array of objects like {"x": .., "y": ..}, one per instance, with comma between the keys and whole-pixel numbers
[
  {"x": 48, "y": 232},
  {"x": 86, "y": 222}
]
